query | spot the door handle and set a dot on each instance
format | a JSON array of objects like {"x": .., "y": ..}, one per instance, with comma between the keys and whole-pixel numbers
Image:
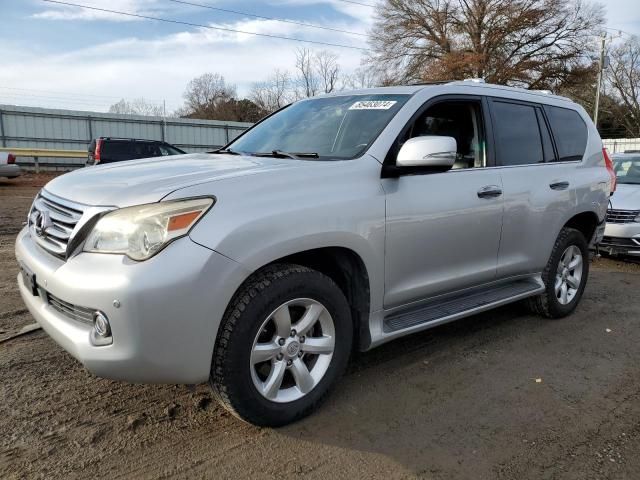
[
  {"x": 490, "y": 191},
  {"x": 559, "y": 185}
]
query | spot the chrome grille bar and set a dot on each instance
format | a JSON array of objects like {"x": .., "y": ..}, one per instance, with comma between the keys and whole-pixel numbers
[
  {"x": 75, "y": 312},
  {"x": 61, "y": 218},
  {"x": 621, "y": 216}
]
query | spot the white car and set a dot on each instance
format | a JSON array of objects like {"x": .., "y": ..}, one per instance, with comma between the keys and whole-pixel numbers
[
  {"x": 622, "y": 233},
  {"x": 8, "y": 166}
]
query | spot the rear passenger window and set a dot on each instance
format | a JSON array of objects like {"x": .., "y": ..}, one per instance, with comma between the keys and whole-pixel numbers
[
  {"x": 569, "y": 131},
  {"x": 517, "y": 135}
]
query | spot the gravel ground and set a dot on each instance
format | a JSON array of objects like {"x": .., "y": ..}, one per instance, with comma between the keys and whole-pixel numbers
[{"x": 499, "y": 395}]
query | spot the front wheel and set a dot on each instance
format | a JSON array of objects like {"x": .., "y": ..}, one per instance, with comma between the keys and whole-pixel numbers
[
  {"x": 565, "y": 276},
  {"x": 284, "y": 340}
]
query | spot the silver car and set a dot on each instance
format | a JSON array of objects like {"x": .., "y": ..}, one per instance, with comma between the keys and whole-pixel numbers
[
  {"x": 622, "y": 234},
  {"x": 340, "y": 222}
]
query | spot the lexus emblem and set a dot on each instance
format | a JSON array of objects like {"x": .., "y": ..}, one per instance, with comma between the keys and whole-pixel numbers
[{"x": 42, "y": 222}]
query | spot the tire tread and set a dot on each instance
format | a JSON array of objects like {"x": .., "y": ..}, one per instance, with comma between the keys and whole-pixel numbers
[
  {"x": 540, "y": 303},
  {"x": 252, "y": 288}
]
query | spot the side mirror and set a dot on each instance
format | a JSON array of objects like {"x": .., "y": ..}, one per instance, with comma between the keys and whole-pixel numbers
[{"x": 428, "y": 151}]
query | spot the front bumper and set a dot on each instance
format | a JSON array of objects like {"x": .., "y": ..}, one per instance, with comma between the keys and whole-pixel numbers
[
  {"x": 621, "y": 239},
  {"x": 169, "y": 308}
]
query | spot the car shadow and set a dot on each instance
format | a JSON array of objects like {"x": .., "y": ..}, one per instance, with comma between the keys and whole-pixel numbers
[{"x": 430, "y": 400}]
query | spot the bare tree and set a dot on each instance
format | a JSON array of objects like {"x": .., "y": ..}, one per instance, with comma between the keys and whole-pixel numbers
[
  {"x": 274, "y": 93},
  {"x": 533, "y": 43},
  {"x": 328, "y": 70},
  {"x": 306, "y": 74},
  {"x": 206, "y": 92},
  {"x": 362, "y": 77},
  {"x": 624, "y": 78},
  {"x": 137, "y": 106}
]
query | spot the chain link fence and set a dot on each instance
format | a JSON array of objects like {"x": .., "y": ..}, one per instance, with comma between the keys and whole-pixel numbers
[{"x": 621, "y": 145}]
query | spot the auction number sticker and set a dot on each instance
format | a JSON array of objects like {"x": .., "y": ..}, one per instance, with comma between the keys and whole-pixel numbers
[{"x": 373, "y": 105}]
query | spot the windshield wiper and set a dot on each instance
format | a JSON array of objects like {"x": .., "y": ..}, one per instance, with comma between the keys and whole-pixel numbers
[
  {"x": 226, "y": 151},
  {"x": 281, "y": 154}
]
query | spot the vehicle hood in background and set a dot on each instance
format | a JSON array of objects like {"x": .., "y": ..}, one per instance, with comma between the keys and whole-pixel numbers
[
  {"x": 626, "y": 197},
  {"x": 136, "y": 182}
]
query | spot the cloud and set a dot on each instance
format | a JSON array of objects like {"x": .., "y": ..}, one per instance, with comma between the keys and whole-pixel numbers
[
  {"x": 160, "y": 68},
  {"x": 68, "y": 12}
]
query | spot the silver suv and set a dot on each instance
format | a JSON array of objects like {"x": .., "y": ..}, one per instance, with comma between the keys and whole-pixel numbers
[{"x": 338, "y": 223}]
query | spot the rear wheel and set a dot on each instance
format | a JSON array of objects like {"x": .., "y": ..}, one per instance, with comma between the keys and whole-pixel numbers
[
  {"x": 565, "y": 276},
  {"x": 284, "y": 341}
]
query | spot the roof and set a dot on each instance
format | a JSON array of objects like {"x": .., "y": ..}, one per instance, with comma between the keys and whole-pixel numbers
[
  {"x": 474, "y": 83},
  {"x": 139, "y": 140}
]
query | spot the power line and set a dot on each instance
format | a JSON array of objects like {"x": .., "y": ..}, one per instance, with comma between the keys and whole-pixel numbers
[
  {"x": 282, "y": 20},
  {"x": 83, "y": 96},
  {"x": 620, "y": 31},
  {"x": 2, "y": 87},
  {"x": 190, "y": 24},
  {"x": 358, "y": 3},
  {"x": 65, "y": 101}
]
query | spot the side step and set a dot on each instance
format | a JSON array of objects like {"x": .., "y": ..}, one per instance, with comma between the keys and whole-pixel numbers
[{"x": 462, "y": 304}]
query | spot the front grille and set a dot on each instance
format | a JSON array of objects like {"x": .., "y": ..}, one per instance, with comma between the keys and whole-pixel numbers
[
  {"x": 622, "y": 216},
  {"x": 51, "y": 222},
  {"x": 80, "y": 314},
  {"x": 620, "y": 242}
]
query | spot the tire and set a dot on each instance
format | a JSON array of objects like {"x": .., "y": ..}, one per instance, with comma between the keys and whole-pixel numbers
[
  {"x": 255, "y": 349},
  {"x": 557, "y": 304}
]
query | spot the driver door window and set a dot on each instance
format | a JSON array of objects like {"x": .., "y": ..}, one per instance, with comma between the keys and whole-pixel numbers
[{"x": 460, "y": 120}]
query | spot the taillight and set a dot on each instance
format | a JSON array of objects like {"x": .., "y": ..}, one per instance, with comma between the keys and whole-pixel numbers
[
  {"x": 96, "y": 154},
  {"x": 11, "y": 158},
  {"x": 610, "y": 169}
]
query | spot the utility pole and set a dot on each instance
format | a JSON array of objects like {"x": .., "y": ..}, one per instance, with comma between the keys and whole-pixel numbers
[
  {"x": 164, "y": 120},
  {"x": 603, "y": 39}
]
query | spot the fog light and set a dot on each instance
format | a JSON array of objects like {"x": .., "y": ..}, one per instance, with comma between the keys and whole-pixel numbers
[{"x": 101, "y": 325}]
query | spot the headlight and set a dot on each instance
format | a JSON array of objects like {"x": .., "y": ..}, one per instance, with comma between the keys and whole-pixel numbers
[
  {"x": 141, "y": 231},
  {"x": 637, "y": 219}
]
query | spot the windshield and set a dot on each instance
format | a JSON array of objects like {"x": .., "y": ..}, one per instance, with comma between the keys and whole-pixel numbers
[
  {"x": 627, "y": 169},
  {"x": 340, "y": 127}
]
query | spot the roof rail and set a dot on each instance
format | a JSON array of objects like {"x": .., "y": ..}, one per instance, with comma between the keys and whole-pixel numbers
[{"x": 430, "y": 82}]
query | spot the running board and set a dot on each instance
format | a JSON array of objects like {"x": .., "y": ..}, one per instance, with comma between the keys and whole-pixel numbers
[{"x": 462, "y": 304}]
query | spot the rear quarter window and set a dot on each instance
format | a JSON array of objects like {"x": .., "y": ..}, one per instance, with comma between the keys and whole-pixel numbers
[{"x": 569, "y": 132}]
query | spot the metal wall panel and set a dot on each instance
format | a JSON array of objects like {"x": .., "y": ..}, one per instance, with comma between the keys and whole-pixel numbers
[{"x": 29, "y": 127}]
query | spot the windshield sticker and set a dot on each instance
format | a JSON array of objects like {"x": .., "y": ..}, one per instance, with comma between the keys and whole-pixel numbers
[{"x": 373, "y": 105}]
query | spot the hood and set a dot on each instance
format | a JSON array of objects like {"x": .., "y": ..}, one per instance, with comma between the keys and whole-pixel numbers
[
  {"x": 626, "y": 197},
  {"x": 148, "y": 180}
]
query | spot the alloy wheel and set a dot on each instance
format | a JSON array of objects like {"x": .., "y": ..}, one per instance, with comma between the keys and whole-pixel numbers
[
  {"x": 292, "y": 350},
  {"x": 568, "y": 275}
]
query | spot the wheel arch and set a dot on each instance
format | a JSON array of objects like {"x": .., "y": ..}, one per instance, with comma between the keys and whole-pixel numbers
[
  {"x": 585, "y": 222},
  {"x": 348, "y": 270}
]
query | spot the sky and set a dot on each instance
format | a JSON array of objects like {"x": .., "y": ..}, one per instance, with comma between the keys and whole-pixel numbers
[{"x": 66, "y": 57}]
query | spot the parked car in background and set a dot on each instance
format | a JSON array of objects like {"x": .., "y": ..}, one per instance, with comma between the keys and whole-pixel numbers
[
  {"x": 8, "y": 166},
  {"x": 110, "y": 149},
  {"x": 622, "y": 234},
  {"x": 340, "y": 222}
]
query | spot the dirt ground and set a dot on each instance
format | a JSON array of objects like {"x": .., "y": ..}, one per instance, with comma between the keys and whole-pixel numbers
[{"x": 503, "y": 395}]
